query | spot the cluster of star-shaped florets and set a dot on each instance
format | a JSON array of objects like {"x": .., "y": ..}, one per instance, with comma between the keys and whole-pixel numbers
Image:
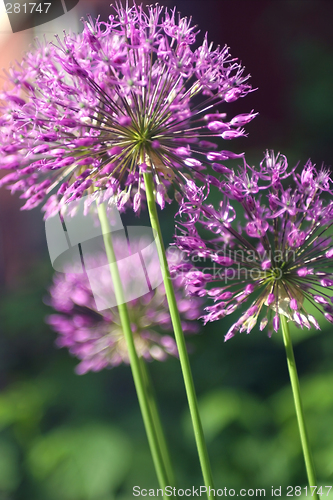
[
  {"x": 95, "y": 335},
  {"x": 95, "y": 110},
  {"x": 270, "y": 247}
]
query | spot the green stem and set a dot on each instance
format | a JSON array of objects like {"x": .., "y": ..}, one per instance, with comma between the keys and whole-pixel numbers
[
  {"x": 179, "y": 335},
  {"x": 157, "y": 422},
  {"x": 309, "y": 464},
  {"x": 133, "y": 357}
]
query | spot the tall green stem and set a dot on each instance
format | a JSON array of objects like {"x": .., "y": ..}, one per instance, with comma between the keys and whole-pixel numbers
[
  {"x": 133, "y": 357},
  {"x": 309, "y": 464},
  {"x": 157, "y": 422},
  {"x": 176, "y": 323}
]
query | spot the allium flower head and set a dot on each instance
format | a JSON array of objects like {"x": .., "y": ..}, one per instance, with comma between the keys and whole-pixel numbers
[
  {"x": 96, "y": 109},
  {"x": 271, "y": 246},
  {"x": 96, "y": 337}
]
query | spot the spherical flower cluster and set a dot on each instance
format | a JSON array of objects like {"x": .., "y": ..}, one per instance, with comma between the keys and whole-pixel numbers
[
  {"x": 270, "y": 246},
  {"x": 97, "y": 109},
  {"x": 96, "y": 337}
]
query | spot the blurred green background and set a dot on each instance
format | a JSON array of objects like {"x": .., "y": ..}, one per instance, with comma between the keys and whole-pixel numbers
[{"x": 70, "y": 437}]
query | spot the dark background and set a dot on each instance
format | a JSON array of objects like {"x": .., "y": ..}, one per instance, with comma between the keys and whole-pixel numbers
[{"x": 81, "y": 437}]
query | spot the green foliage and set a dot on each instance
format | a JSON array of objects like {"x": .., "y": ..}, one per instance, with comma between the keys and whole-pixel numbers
[
  {"x": 23, "y": 403},
  {"x": 86, "y": 462},
  {"x": 9, "y": 466},
  {"x": 220, "y": 408},
  {"x": 82, "y": 437}
]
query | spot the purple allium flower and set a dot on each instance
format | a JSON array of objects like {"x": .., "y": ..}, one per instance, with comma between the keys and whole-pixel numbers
[
  {"x": 271, "y": 245},
  {"x": 97, "y": 109},
  {"x": 96, "y": 337}
]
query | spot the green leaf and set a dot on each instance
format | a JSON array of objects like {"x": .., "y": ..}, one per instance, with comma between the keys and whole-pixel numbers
[
  {"x": 9, "y": 467},
  {"x": 220, "y": 408},
  {"x": 88, "y": 462}
]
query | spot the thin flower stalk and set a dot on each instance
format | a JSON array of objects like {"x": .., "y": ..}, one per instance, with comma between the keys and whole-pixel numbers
[
  {"x": 157, "y": 423},
  {"x": 309, "y": 464},
  {"x": 140, "y": 383},
  {"x": 179, "y": 336}
]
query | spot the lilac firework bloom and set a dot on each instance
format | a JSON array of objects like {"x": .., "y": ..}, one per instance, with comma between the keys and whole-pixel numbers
[
  {"x": 278, "y": 258},
  {"x": 95, "y": 110},
  {"x": 96, "y": 337}
]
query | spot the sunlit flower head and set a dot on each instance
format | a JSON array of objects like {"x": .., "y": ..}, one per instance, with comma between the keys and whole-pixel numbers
[
  {"x": 270, "y": 247},
  {"x": 97, "y": 109},
  {"x": 96, "y": 337}
]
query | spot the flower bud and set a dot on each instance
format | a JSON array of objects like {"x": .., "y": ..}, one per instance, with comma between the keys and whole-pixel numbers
[
  {"x": 68, "y": 122},
  {"x": 266, "y": 264},
  {"x": 215, "y": 116},
  {"x": 233, "y": 134},
  {"x": 217, "y": 126},
  {"x": 125, "y": 121},
  {"x": 232, "y": 95},
  {"x": 231, "y": 332},
  {"x": 276, "y": 322},
  {"x": 10, "y": 162},
  {"x": 270, "y": 299},
  {"x": 263, "y": 324},
  {"x": 243, "y": 119}
]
